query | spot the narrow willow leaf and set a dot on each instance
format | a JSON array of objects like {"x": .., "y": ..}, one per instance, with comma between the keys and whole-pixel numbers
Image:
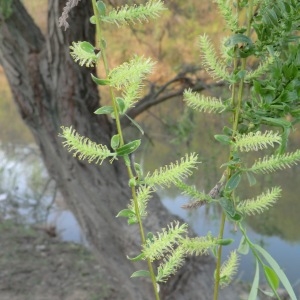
[
  {"x": 224, "y": 139},
  {"x": 272, "y": 278},
  {"x": 224, "y": 242},
  {"x": 136, "y": 124},
  {"x": 99, "y": 81},
  {"x": 138, "y": 169},
  {"x": 121, "y": 105},
  {"x": 251, "y": 178},
  {"x": 128, "y": 148},
  {"x": 141, "y": 256},
  {"x": 104, "y": 110},
  {"x": 243, "y": 246},
  {"x": 227, "y": 206},
  {"x": 281, "y": 275},
  {"x": 233, "y": 182},
  {"x": 140, "y": 273},
  {"x": 255, "y": 283},
  {"x": 125, "y": 213}
]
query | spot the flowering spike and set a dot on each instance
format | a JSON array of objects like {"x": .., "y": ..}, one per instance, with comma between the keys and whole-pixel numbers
[
  {"x": 83, "y": 147},
  {"x": 130, "y": 14},
  {"x": 229, "y": 269},
  {"x": 203, "y": 103},
  {"x": 170, "y": 174},
  {"x": 261, "y": 203},
  {"x": 164, "y": 241},
  {"x": 254, "y": 141}
]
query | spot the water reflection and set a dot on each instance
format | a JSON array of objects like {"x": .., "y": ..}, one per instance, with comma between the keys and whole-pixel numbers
[
  {"x": 203, "y": 221},
  {"x": 29, "y": 197}
]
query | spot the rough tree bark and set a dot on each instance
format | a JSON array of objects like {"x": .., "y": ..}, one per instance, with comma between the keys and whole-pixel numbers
[{"x": 50, "y": 90}]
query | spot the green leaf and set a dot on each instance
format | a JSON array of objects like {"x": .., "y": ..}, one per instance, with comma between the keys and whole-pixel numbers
[
  {"x": 150, "y": 237},
  {"x": 132, "y": 221},
  {"x": 121, "y": 105},
  {"x": 251, "y": 178},
  {"x": 138, "y": 169},
  {"x": 254, "y": 288},
  {"x": 224, "y": 242},
  {"x": 128, "y": 148},
  {"x": 104, "y": 110},
  {"x": 127, "y": 213},
  {"x": 93, "y": 20},
  {"x": 115, "y": 141},
  {"x": 241, "y": 74},
  {"x": 103, "y": 42},
  {"x": 140, "y": 273},
  {"x": 233, "y": 182},
  {"x": 228, "y": 206},
  {"x": 224, "y": 139},
  {"x": 137, "y": 258},
  {"x": 243, "y": 246},
  {"x": 236, "y": 217},
  {"x": 101, "y": 8},
  {"x": 237, "y": 39},
  {"x": 87, "y": 47},
  {"x": 282, "y": 277},
  {"x": 272, "y": 278},
  {"x": 132, "y": 182},
  {"x": 99, "y": 81},
  {"x": 228, "y": 131}
]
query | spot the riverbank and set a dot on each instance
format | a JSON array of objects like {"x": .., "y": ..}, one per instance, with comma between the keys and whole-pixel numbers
[{"x": 36, "y": 265}]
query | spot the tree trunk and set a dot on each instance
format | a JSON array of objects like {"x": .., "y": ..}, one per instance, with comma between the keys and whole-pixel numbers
[{"x": 50, "y": 90}]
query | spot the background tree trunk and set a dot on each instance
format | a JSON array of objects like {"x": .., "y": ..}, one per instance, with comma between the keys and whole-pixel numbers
[{"x": 50, "y": 90}]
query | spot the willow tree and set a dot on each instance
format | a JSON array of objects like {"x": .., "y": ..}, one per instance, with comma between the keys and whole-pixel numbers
[{"x": 50, "y": 90}]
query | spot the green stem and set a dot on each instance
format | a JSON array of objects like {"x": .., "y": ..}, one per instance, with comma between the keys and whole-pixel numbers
[
  {"x": 237, "y": 99},
  {"x": 219, "y": 258},
  {"x": 101, "y": 46},
  {"x": 142, "y": 233}
]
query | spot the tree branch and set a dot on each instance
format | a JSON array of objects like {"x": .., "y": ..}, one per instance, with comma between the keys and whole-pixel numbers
[{"x": 169, "y": 90}]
